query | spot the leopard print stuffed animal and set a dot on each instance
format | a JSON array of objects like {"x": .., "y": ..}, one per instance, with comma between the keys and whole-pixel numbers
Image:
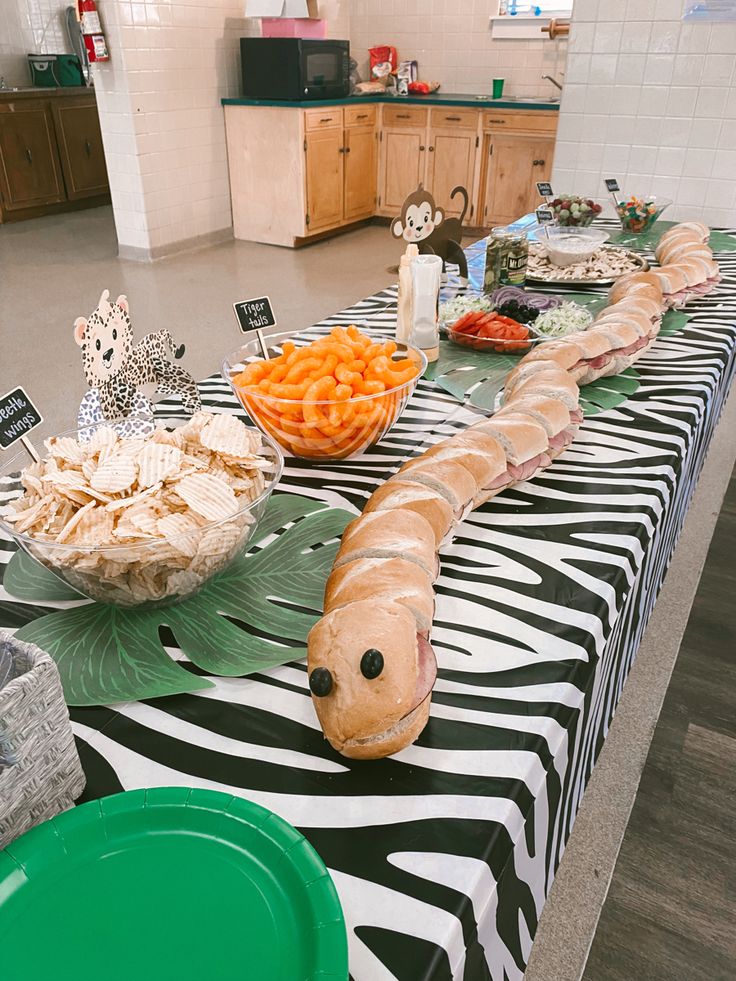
[{"x": 114, "y": 368}]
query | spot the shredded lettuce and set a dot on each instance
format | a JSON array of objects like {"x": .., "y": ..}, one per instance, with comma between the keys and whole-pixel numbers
[
  {"x": 565, "y": 319},
  {"x": 453, "y": 309}
]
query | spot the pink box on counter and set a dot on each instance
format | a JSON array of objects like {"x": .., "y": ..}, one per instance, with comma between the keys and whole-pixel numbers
[{"x": 293, "y": 27}]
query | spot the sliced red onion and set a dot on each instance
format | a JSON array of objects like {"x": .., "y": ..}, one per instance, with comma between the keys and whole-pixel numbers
[{"x": 542, "y": 301}]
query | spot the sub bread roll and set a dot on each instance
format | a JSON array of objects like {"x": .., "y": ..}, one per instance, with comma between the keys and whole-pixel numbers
[
  {"x": 617, "y": 334},
  {"x": 696, "y": 228},
  {"x": 390, "y": 534},
  {"x": 680, "y": 249},
  {"x": 522, "y": 440},
  {"x": 671, "y": 278},
  {"x": 374, "y": 675},
  {"x": 551, "y": 382},
  {"x": 404, "y": 495},
  {"x": 634, "y": 318},
  {"x": 597, "y": 352},
  {"x": 564, "y": 352},
  {"x": 525, "y": 369},
  {"x": 624, "y": 342},
  {"x": 548, "y": 413},
  {"x": 383, "y": 581},
  {"x": 696, "y": 270},
  {"x": 477, "y": 452},
  {"x": 638, "y": 304},
  {"x": 632, "y": 283},
  {"x": 448, "y": 477}
]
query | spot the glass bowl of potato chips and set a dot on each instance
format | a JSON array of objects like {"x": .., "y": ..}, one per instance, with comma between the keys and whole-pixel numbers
[
  {"x": 325, "y": 397},
  {"x": 141, "y": 521}
]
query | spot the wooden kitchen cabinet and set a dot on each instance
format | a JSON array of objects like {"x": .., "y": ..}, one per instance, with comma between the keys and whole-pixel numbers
[
  {"x": 80, "y": 148},
  {"x": 360, "y": 172},
  {"x": 402, "y": 168},
  {"x": 299, "y": 173},
  {"x": 51, "y": 154},
  {"x": 30, "y": 174},
  {"x": 515, "y": 162},
  {"x": 325, "y": 158},
  {"x": 518, "y": 150},
  {"x": 451, "y": 162}
]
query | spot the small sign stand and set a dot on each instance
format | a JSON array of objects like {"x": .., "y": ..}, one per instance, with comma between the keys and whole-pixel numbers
[
  {"x": 254, "y": 315},
  {"x": 613, "y": 189},
  {"x": 545, "y": 218},
  {"x": 18, "y": 416},
  {"x": 544, "y": 189}
]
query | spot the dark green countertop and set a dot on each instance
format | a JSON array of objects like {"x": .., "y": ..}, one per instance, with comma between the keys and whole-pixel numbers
[{"x": 437, "y": 99}]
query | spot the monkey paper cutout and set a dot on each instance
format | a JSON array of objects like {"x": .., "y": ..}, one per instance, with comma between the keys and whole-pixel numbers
[
  {"x": 114, "y": 367},
  {"x": 423, "y": 223}
]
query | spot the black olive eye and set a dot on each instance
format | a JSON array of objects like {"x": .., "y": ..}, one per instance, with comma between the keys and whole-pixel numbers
[
  {"x": 114, "y": 334},
  {"x": 371, "y": 663},
  {"x": 320, "y": 682},
  {"x": 97, "y": 344}
]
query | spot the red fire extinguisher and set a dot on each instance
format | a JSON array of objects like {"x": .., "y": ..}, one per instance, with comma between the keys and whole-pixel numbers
[{"x": 94, "y": 39}]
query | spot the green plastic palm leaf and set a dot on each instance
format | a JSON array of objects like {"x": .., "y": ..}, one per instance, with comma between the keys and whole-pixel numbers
[{"x": 607, "y": 393}]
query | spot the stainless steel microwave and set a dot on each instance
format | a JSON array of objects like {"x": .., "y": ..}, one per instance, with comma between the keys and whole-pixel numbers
[{"x": 294, "y": 69}]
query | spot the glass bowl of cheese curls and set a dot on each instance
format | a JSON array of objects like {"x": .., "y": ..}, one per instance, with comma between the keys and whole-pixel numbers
[
  {"x": 141, "y": 521},
  {"x": 325, "y": 398}
]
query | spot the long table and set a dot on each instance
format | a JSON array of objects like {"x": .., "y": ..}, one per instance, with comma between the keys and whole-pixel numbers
[{"x": 443, "y": 855}]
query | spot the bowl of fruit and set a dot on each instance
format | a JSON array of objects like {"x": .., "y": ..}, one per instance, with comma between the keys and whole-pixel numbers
[
  {"x": 575, "y": 211},
  {"x": 638, "y": 214}
]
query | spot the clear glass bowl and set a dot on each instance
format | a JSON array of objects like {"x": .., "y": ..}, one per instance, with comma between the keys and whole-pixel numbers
[
  {"x": 499, "y": 345},
  {"x": 566, "y": 246},
  {"x": 152, "y": 574},
  {"x": 641, "y": 217},
  {"x": 321, "y": 430}
]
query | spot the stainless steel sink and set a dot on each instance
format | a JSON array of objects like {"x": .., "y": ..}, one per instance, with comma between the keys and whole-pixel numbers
[{"x": 537, "y": 99}]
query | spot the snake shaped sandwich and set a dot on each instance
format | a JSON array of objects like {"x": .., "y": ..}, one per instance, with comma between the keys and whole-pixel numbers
[{"x": 371, "y": 665}]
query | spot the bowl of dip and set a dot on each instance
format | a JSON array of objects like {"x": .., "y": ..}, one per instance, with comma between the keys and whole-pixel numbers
[{"x": 566, "y": 246}]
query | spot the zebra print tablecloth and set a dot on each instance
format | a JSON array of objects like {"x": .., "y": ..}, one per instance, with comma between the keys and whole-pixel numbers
[{"x": 443, "y": 855}]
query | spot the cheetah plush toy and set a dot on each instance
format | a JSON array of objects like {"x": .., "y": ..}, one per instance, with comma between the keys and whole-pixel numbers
[{"x": 115, "y": 368}]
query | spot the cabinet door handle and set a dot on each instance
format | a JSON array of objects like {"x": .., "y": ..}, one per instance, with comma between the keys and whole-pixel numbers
[
  {"x": 422, "y": 148},
  {"x": 88, "y": 148},
  {"x": 501, "y": 122},
  {"x": 431, "y": 149},
  {"x": 341, "y": 150},
  {"x": 538, "y": 163},
  {"x": 454, "y": 119},
  {"x": 347, "y": 149},
  {"x": 29, "y": 155},
  {"x": 403, "y": 115},
  {"x": 362, "y": 115},
  {"x": 327, "y": 119}
]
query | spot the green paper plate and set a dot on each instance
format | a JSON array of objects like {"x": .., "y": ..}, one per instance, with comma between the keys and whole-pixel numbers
[{"x": 170, "y": 884}]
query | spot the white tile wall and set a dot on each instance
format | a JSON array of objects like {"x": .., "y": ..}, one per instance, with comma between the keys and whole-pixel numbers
[
  {"x": 29, "y": 26},
  {"x": 451, "y": 40},
  {"x": 162, "y": 122},
  {"x": 652, "y": 101}
]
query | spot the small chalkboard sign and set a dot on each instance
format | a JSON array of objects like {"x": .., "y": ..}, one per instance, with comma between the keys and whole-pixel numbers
[
  {"x": 545, "y": 189},
  {"x": 545, "y": 216},
  {"x": 18, "y": 416},
  {"x": 612, "y": 185},
  {"x": 254, "y": 314}
]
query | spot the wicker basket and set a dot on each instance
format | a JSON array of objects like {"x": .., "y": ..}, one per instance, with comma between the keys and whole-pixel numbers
[{"x": 40, "y": 772}]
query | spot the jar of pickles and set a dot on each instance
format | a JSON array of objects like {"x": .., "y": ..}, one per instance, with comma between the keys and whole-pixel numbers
[
  {"x": 497, "y": 252},
  {"x": 517, "y": 258}
]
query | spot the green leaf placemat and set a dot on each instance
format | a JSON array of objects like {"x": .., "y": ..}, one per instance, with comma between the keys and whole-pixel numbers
[
  {"x": 607, "y": 393},
  {"x": 473, "y": 376},
  {"x": 718, "y": 241},
  {"x": 673, "y": 322},
  {"x": 106, "y": 654}
]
